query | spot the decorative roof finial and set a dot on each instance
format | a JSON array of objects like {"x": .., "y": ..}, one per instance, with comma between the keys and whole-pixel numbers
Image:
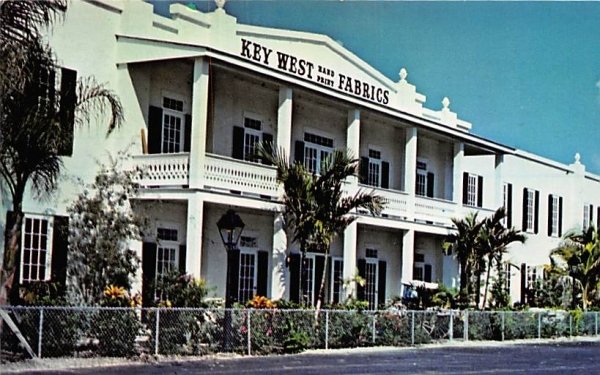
[
  {"x": 403, "y": 75},
  {"x": 446, "y": 102},
  {"x": 220, "y": 4},
  {"x": 577, "y": 158}
]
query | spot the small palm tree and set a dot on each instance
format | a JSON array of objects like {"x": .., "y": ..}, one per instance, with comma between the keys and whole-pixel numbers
[
  {"x": 316, "y": 207},
  {"x": 578, "y": 256}
]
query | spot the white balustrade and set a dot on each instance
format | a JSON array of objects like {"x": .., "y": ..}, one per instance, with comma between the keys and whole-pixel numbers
[
  {"x": 395, "y": 201},
  {"x": 435, "y": 210},
  {"x": 163, "y": 169},
  {"x": 231, "y": 174}
]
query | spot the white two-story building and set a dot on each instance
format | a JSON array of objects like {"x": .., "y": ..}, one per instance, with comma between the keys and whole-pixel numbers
[{"x": 201, "y": 90}]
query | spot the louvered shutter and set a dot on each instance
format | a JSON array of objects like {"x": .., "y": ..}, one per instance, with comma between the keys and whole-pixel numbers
[
  {"x": 182, "y": 259},
  {"x": 299, "y": 152},
  {"x": 294, "y": 272},
  {"x": 68, "y": 99},
  {"x": 262, "y": 273},
  {"x": 237, "y": 151},
  {"x": 155, "y": 120},
  {"x": 479, "y": 191},
  {"x": 381, "y": 282},
  {"x": 60, "y": 246},
  {"x": 268, "y": 143},
  {"x": 363, "y": 170},
  {"x": 430, "y": 184},
  {"x": 148, "y": 272},
  {"x": 550, "y": 209},
  {"x": 385, "y": 175},
  {"x": 536, "y": 216},
  {"x": 509, "y": 207},
  {"x": 465, "y": 188},
  {"x": 187, "y": 134}
]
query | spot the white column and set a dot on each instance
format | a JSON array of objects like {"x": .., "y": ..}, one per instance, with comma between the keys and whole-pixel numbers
[
  {"x": 284, "y": 120},
  {"x": 408, "y": 255},
  {"x": 349, "y": 272},
  {"x": 410, "y": 169},
  {"x": 199, "y": 122},
  {"x": 193, "y": 261},
  {"x": 136, "y": 286},
  {"x": 353, "y": 138},
  {"x": 278, "y": 269},
  {"x": 457, "y": 185},
  {"x": 498, "y": 182}
]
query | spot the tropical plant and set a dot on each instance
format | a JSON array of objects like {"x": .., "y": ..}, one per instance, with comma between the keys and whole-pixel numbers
[
  {"x": 578, "y": 257},
  {"x": 316, "y": 207},
  {"x": 494, "y": 238}
]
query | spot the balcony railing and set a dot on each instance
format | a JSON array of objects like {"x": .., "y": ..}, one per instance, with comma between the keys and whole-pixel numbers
[
  {"x": 395, "y": 201},
  {"x": 435, "y": 210},
  {"x": 225, "y": 173},
  {"x": 163, "y": 169}
]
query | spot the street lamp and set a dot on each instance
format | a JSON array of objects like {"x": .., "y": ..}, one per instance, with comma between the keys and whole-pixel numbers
[{"x": 230, "y": 228}]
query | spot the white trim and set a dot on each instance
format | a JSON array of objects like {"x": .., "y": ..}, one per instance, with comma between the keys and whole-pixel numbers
[{"x": 49, "y": 240}]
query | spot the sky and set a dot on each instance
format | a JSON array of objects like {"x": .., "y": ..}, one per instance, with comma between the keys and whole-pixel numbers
[{"x": 526, "y": 75}]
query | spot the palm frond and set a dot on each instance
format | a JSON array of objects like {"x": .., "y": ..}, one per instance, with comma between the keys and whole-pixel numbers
[
  {"x": 94, "y": 99},
  {"x": 23, "y": 20}
]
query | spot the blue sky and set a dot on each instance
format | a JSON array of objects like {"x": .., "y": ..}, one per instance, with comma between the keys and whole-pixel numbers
[{"x": 525, "y": 74}]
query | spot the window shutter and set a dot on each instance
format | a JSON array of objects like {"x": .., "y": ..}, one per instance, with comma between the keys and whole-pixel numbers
[
  {"x": 360, "y": 290},
  {"x": 430, "y": 184},
  {"x": 60, "y": 246},
  {"x": 598, "y": 217},
  {"x": 385, "y": 175},
  {"x": 523, "y": 283},
  {"x": 524, "y": 209},
  {"x": 509, "y": 208},
  {"x": 550, "y": 207},
  {"x": 187, "y": 135},
  {"x": 267, "y": 139},
  {"x": 560, "y": 213},
  {"x": 182, "y": 259},
  {"x": 427, "y": 273},
  {"x": 465, "y": 187},
  {"x": 319, "y": 269},
  {"x": 237, "y": 150},
  {"x": 479, "y": 191},
  {"x": 299, "y": 152},
  {"x": 155, "y": 120},
  {"x": 536, "y": 220},
  {"x": 381, "y": 282},
  {"x": 148, "y": 272},
  {"x": 68, "y": 98},
  {"x": 294, "y": 272},
  {"x": 363, "y": 170},
  {"x": 262, "y": 273},
  {"x": 233, "y": 270},
  {"x": 591, "y": 215}
]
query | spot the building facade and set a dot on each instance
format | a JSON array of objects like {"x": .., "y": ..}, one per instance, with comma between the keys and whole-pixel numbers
[{"x": 200, "y": 91}]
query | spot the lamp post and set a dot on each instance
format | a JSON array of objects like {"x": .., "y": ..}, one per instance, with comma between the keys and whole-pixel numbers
[{"x": 230, "y": 228}]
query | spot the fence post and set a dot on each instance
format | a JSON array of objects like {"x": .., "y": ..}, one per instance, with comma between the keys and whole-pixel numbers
[
  {"x": 41, "y": 332},
  {"x": 466, "y": 327},
  {"x": 539, "y": 325},
  {"x": 412, "y": 328},
  {"x": 502, "y": 317},
  {"x": 570, "y": 324},
  {"x": 596, "y": 322},
  {"x": 451, "y": 326},
  {"x": 373, "y": 327},
  {"x": 327, "y": 329},
  {"x": 249, "y": 332},
  {"x": 156, "y": 330}
]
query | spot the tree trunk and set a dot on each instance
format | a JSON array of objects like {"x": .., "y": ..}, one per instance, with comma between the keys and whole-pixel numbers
[
  {"x": 11, "y": 248},
  {"x": 487, "y": 282},
  {"x": 321, "y": 288}
]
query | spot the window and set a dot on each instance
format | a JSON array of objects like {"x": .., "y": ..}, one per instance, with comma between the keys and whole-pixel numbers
[
  {"x": 530, "y": 210},
  {"x": 507, "y": 204},
  {"x": 374, "y": 173},
  {"x": 588, "y": 216},
  {"x": 371, "y": 278},
  {"x": 173, "y": 125},
  {"x": 308, "y": 279},
  {"x": 248, "y": 268},
  {"x": 421, "y": 270},
  {"x": 554, "y": 215},
  {"x": 507, "y": 277},
  {"x": 337, "y": 274},
  {"x": 472, "y": 190},
  {"x": 252, "y": 137},
  {"x": 421, "y": 183},
  {"x": 167, "y": 251},
  {"x": 36, "y": 248},
  {"x": 316, "y": 151}
]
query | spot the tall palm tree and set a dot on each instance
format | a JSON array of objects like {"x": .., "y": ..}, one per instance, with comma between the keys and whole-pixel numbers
[
  {"x": 316, "y": 208},
  {"x": 33, "y": 133},
  {"x": 578, "y": 256},
  {"x": 494, "y": 239},
  {"x": 464, "y": 245}
]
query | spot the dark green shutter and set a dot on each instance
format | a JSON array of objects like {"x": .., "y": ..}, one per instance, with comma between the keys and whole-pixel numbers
[
  {"x": 537, "y": 212},
  {"x": 360, "y": 289},
  {"x": 509, "y": 207},
  {"x": 465, "y": 188},
  {"x": 187, "y": 134},
  {"x": 233, "y": 270},
  {"x": 68, "y": 99},
  {"x": 381, "y": 282},
  {"x": 591, "y": 214},
  {"x": 363, "y": 170},
  {"x": 427, "y": 273},
  {"x": 560, "y": 214},
  {"x": 299, "y": 152},
  {"x": 550, "y": 207},
  {"x": 60, "y": 245},
  {"x": 430, "y": 184},
  {"x": 182, "y": 258},
  {"x": 237, "y": 151},
  {"x": 268, "y": 143},
  {"x": 148, "y": 272},
  {"x": 598, "y": 217},
  {"x": 262, "y": 273},
  {"x": 155, "y": 130},
  {"x": 385, "y": 175},
  {"x": 523, "y": 283},
  {"x": 479, "y": 191},
  {"x": 524, "y": 209},
  {"x": 294, "y": 282}
]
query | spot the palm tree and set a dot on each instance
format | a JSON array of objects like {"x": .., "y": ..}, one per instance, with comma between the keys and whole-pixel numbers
[
  {"x": 33, "y": 133},
  {"x": 494, "y": 238},
  {"x": 578, "y": 256},
  {"x": 464, "y": 244},
  {"x": 316, "y": 208}
]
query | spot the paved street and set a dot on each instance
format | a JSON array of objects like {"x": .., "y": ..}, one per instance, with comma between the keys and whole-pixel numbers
[{"x": 555, "y": 358}]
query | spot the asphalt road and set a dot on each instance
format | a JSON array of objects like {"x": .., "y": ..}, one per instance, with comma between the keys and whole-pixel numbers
[{"x": 556, "y": 358}]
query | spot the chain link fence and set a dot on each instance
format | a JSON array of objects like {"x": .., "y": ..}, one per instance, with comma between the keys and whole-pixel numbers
[{"x": 126, "y": 332}]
